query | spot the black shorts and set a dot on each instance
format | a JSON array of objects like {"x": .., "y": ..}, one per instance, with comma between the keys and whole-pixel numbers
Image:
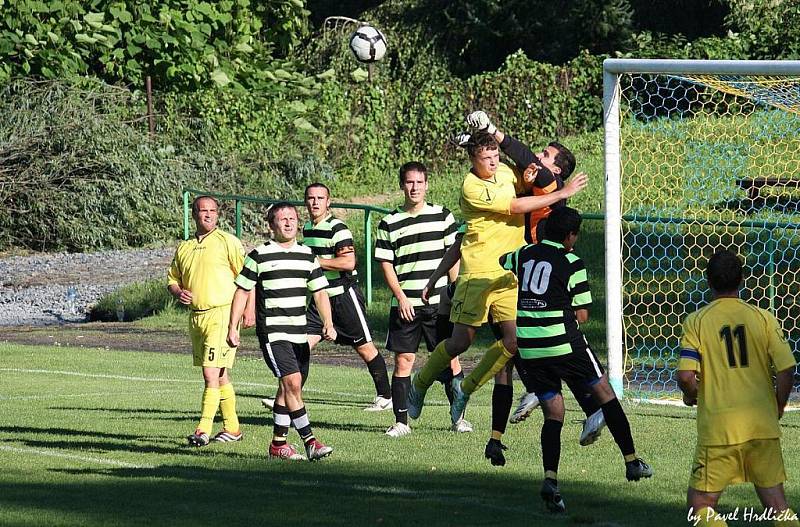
[
  {"x": 349, "y": 318},
  {"x": 285, "y": 358},
  {"x": 544, "y": 376},
  {"x": 405, "y": 337}
]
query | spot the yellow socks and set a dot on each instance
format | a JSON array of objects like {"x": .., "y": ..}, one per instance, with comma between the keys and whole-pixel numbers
[
  {"x": 437, "y": 361},
  {"x": 493, "y": 361},
  {"x": 210, "y": 406},
  {"x": 227, "y": 405}
]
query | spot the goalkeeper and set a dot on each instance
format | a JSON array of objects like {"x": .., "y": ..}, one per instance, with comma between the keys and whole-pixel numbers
[
  {"x": 545, "y": 172},
  {"x": 495, "y": 226}
]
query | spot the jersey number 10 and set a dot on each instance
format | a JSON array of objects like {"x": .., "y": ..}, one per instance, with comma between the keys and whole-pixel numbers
[
  {"x": 728, "y": 336},
  {"x": 536, "y": 277}
]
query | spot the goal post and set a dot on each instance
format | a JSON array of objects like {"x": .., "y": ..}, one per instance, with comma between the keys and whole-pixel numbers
[{"x": 699, "y": 155}]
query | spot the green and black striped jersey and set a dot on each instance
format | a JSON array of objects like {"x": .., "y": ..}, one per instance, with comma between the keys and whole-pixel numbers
[
  {"x": 328, "y": 239},
  {"x": 552, "y": 285},
  {"x": 282, "y": 277},
  {"x": 415, "y": 244}
]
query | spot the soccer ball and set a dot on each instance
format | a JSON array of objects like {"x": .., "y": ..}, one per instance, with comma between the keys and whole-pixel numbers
[{"x": 368, "y": 44}]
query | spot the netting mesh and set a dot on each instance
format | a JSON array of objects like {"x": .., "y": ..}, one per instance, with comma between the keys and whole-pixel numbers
[{"x": 707, "y": 162}]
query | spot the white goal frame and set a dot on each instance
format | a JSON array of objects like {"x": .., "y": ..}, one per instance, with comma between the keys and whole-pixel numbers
[{"x": 612, "y": 68}]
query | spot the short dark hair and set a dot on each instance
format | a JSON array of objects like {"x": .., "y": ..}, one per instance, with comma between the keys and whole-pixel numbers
[
  {"x": 316, "y": 184},
  {"x": 412, "y": 166},
  {"x": 565, "y": 159},
  {"x": 481, "y": 141},
  {"x": 562, "y": 222},
  {"x": 273, "y": 210},
  {"x": 196, "y": 206},
  {"x": 724, "y": 271}
]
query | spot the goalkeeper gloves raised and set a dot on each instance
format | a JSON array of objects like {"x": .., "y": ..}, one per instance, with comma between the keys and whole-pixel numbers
[{"x": 480, "y": 121}]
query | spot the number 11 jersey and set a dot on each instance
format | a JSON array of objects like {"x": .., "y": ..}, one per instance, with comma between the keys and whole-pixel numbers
[{"x": 734, "y": 347}]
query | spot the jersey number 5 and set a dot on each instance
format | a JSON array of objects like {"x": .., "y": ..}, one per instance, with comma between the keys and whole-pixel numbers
[{"x": 728, "y": 336}]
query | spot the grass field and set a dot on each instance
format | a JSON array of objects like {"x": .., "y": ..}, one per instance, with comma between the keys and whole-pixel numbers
[{"x": 96, "y": 437}]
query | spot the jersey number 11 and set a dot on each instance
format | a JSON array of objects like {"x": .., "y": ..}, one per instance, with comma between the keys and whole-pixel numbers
[{"x": 728, "y": 336}]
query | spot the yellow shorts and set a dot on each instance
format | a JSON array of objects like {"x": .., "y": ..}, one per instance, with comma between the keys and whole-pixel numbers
[
  {"x": 479, "y": 294},
  {"x": 759, "y": 461},
  {"x": 209, "y": 332}
]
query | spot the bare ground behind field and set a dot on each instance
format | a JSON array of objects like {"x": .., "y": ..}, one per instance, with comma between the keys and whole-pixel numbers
[{"x": 131, "y": 337}]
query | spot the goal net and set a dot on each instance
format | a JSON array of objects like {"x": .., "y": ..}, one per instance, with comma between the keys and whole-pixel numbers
[{"x": 700, "y": 155}]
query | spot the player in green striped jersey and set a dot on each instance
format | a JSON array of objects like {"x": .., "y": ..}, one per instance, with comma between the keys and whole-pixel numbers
[
  {"x": 411, "y": 242},
  {"x": 282, "y": 272},
  {"x": 332, "y": 243},
  {"x": 553, "y": 300}
]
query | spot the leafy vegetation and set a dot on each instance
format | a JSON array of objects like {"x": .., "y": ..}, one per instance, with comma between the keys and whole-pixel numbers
[
  {"x": 134, "y": 302},
  {"x": 246, "y": 103},
  {"x": 183, "y": 44}
]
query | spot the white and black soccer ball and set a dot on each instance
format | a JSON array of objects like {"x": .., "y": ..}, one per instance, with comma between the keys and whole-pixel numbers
[{"x": 368, "y": 44}]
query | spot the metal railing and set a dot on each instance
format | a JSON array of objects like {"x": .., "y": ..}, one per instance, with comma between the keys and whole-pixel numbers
[{"x": 239, "y": 201}]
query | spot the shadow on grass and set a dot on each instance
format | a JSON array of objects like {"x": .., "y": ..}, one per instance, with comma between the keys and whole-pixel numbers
[{"x": 332, "y": 492}]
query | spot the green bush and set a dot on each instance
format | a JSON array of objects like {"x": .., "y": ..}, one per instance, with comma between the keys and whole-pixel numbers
[
  {"x": 184, "y": 44},
  {"x": 135, "y": 301},
  {"x": 769, "y": 29},
  {"x": 79, "y": 172}
]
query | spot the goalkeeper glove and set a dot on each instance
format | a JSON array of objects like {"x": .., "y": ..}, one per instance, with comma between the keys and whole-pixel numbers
[
  {"x": 461, "y": 139},
  {"x": 480, "y": 121}
]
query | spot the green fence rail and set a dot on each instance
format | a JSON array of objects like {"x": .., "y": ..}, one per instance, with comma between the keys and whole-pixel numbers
[{"x": 239, "y": 201}]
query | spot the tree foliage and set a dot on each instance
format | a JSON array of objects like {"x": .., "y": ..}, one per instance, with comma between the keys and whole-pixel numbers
[
  {"x": 769, "y": 29},
  {"x": 185, "y": 44}
]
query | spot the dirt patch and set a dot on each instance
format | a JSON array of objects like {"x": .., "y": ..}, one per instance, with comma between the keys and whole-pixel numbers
[{"x": 130, "y": 337}]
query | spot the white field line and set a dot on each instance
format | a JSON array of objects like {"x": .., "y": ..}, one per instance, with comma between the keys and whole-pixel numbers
[
  {"x": 374, "y": 489},
  {"x": 676, "y": 402},
  {"x": 272, "y": 387},
  {"x": 76, "y": 395},
  {"x": 663, "y": 402},
  {"x": 64, "y": 455}
]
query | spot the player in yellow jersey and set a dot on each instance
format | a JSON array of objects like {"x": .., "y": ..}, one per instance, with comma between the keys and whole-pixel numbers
[
  {"x": 729, "y": 352},
  {"x": 201, "y": 277},
  {"x": 495, "y": 226}
]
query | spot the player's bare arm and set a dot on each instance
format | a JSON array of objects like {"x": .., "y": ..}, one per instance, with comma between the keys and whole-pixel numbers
[
  {"x": 184, "y": 296},
  {"x": 404, "y": 307},
  {"x": 344, "y": 261},
  {"x": 323, "y": 303},
  {"x": 530, "y": 203},
  {"x": 249, "y": 319},
  {"x": 687, "y": 382},
  {"x": 237, "y": 310},
  {"x": 449, "y": 262},
  {"x": 581, "y": 315},
  {"x": 784, "y": 383}
]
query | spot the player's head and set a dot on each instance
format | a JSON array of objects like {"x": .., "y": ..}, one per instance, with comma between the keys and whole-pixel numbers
[
  {"x": 205, "y": 213},
  {"x": 562, "y": 226},
  {"x": 282, "y": 219},
  {"x": 414, "y": 182},
  {"x": 724, "y": 272},
  {"x": 558, "y": 158},
  {"x": 484, "y": 153},
  {"x": 318, "y": 201}
]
